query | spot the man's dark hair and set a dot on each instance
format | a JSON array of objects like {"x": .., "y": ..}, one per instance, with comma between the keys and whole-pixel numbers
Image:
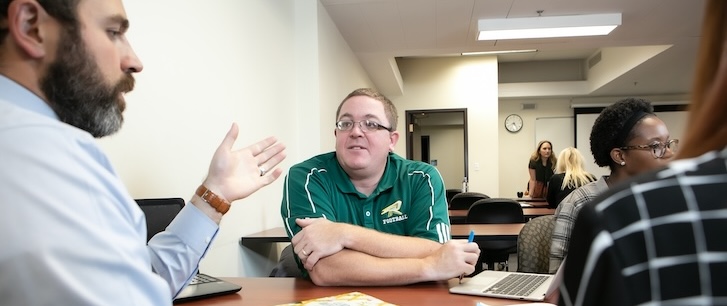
[
  {"x": 610, "y": 129},
  {"x": 62, "y": 10}
]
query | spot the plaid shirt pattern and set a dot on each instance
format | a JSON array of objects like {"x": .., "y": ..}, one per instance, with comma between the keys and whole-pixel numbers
[{"x": 565, "y": 217}]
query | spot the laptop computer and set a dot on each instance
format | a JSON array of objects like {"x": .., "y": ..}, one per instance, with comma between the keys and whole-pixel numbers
[
  {"x": 508, "y": 285},
  {"x": 159, "y": 213}
]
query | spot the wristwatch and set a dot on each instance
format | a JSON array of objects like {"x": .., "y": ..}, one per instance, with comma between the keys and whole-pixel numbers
[{"x": 219, "y": 204}]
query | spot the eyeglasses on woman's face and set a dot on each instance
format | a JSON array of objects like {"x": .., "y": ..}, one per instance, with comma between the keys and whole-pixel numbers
[
  {"x": 658, "y": 149},
  {"x": 365, "y": 125}
]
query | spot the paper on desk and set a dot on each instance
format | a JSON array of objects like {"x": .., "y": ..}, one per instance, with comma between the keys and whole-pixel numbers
[
  {"x": 346, "y": 299},
  {"x": 526, "y": 304}
]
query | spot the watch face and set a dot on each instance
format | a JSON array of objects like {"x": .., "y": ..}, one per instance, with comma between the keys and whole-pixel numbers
[{"x": 513, "y": 123}]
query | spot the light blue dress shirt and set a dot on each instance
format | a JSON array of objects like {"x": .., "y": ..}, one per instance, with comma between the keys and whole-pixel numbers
[{"x": 70, "y": 233}]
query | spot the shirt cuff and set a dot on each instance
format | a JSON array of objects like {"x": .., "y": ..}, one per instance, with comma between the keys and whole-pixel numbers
[{"x": 194, "y": 228}]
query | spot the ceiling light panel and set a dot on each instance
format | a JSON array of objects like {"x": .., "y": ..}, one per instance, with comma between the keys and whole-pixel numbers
[{"x": 548, "y": 26}]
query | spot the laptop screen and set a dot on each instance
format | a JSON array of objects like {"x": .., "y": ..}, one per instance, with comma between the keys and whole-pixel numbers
[{"x": 159, "y": 213}]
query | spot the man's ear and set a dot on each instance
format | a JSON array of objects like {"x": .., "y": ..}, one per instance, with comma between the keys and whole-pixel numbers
[
  {"x": 394, "y": 138},
  {"x": 28, "y": 25}
]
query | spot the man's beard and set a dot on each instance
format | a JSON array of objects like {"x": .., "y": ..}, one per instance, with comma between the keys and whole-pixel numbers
[{"x": 78, "y": 93}]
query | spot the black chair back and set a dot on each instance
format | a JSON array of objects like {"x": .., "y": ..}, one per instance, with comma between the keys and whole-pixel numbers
[
  {"x": 464, "y": 200},
  {"x": 495, "y": 211},
  {"x": 451, "y": 193},
  {"x": 287, "y": 266}
]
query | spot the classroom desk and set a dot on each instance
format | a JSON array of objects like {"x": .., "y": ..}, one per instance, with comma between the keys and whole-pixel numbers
[
  {"x": 459, "y": 216},
  {"x": 534, "y": 212},
  {"x": 536, "y": 204},
  {"x": 282, "y": 290},
  {"x": 276, "y": 234},
  {"x": 529, "y": 199},
  {"x": 262, "y": 253},
  {"x": 459, "y": 231},
  {"x": 261, "y": 250},
  {"x": 485, "y": 232}
]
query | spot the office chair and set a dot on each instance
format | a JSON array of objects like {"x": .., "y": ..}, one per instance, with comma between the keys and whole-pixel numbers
[
  {"x": 159, "y": 212},
  {"x": 495, "y": 211},
  {"x": 451, "y": 193},
  {"x": 533, "y": 245},
  {"x": 464, "y": 200},
  {"x": 287, "y": 265}
]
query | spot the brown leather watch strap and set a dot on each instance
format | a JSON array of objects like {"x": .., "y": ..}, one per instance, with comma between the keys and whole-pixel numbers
[{"x": 220, "y": 205}]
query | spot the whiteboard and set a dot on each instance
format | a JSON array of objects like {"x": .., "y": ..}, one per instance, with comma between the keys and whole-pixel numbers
[{"x": 558, "y": 130}]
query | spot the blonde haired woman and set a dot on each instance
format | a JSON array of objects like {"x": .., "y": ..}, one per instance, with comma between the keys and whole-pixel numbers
[
  {"x": 541, "y": 166},
  {"x": 570, "y": 173}
]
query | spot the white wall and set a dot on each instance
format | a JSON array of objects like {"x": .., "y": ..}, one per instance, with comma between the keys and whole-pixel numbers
[
  {"x": 340, "y": 73},
  {"x": 443, "y": 83},
  {"x": 208, "y": 64}
]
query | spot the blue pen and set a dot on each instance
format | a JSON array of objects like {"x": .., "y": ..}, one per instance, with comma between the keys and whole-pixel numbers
[{"x": 470, "y": 239}]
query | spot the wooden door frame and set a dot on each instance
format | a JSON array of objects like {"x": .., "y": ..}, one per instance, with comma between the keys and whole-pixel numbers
[{"x": 409, "y": 114}]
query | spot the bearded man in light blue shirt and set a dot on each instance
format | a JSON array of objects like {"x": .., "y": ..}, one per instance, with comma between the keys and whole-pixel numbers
[{"x": 71, "y": 234}]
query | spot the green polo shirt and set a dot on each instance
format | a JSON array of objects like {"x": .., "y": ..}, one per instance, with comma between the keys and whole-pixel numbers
[{"x": 409, "y": 200}]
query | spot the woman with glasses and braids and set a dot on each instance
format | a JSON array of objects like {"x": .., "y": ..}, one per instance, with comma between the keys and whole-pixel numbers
[
  {"x": 659, "y": 239},
  {"x": 629, "y": 139}
]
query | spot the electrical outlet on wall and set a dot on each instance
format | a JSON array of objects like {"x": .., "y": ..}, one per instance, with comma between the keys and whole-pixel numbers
[{"x": 477, "y": 166}]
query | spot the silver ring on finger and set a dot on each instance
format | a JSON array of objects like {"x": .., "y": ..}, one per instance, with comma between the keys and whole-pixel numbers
[
  {"x": 262, "y": 170},
  {"x": 304, "y": 253}
]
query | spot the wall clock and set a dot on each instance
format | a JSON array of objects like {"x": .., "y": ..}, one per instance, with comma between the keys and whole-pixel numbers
[{"x": 513, "y": 123}]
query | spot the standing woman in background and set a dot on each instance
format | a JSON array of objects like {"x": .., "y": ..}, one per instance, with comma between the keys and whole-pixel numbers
[
  {"x": 541, "y": 166},
  {"x": 570, "y": 174}
]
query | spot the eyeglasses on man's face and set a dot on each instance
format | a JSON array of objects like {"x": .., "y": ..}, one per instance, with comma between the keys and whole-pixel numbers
[
  {"x": 658, "y": 149},
  {"x": 365, "y": 125}
]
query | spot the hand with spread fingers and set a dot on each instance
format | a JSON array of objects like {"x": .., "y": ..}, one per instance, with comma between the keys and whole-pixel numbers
[{"x": 236, "y": 174}]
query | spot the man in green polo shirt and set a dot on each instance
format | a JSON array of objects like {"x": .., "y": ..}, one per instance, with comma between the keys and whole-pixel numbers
[{"x": 363, "y": 215}]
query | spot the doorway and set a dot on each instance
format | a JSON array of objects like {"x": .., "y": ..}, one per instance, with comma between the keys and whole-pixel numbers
[
  {"x": 446, "y": 134},
  {"x": 425, "y": 150}
]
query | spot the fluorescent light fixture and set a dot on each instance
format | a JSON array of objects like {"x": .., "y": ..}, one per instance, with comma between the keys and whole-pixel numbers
[
  {"x": 548, "y": 26},
  {"x": 500, "y": 52}
]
